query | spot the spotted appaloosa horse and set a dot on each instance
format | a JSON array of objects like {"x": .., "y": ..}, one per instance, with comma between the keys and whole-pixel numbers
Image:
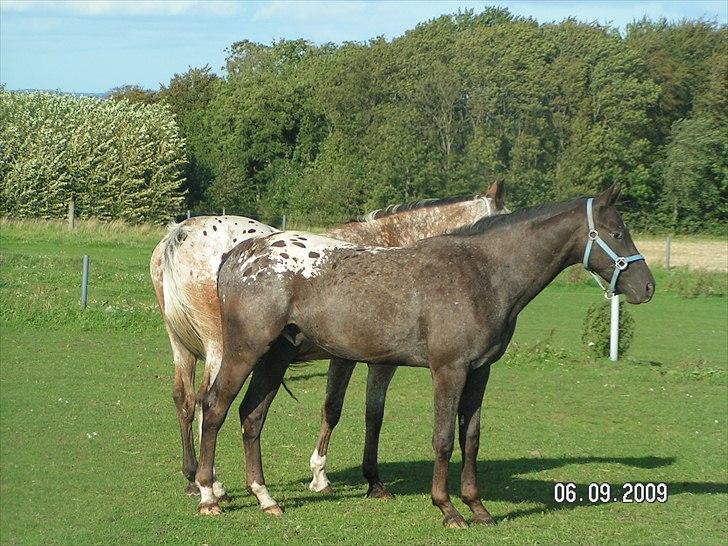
[
  {"x": 184, "y": 273},
  {"x": 184, "y": 269},
  {"x": 449, "y": 303}
]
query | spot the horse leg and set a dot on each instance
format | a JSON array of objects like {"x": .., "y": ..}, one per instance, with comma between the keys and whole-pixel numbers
[
  {"x": 378, "y": 378},
  {"x": 212, "y": 367},
  {"x": 239, "y": 357},
  {"x": 469, "y": 421},
  {"x": 183, "y": 394},
  {"x": 338, "y": 379},
  {"x": 447, "y": 382},
  {"x": 264, "y": 383}
]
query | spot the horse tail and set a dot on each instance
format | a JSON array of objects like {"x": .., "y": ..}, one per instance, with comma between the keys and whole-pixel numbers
[{"x": 178, "y": 310}]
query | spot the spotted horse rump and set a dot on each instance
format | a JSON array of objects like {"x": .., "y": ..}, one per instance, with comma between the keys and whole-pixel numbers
[{"x": 292, "y": 253}]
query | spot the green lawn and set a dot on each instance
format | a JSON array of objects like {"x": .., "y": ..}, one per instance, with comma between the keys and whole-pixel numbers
[{"x": 89, "y": 448}]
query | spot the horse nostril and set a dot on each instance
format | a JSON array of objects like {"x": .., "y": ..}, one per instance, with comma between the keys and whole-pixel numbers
[{"x": 650, "y": 288}]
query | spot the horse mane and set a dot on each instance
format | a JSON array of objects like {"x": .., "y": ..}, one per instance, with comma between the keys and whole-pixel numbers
[
  {"x": 412, "y": 205},
  {"x": 487, "y": 222}
]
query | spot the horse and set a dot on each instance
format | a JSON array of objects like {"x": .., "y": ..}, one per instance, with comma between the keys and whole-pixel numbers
[
  {"x": 184, "y": 266},
  {"x": 449, "y": 303}
]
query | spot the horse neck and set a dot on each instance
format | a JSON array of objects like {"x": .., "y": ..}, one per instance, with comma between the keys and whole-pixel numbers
[
  {"x": 528, "y": 257},
  {"x": 407, "y": 227}
]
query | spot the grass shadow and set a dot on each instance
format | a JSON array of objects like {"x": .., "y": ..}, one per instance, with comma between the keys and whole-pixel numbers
[
  {"x": 303, "y": 376},
  {"x": 499, "y": 480}
]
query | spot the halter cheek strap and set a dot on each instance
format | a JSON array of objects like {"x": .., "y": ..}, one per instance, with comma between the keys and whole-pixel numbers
[{"x": 620, "y": 263}]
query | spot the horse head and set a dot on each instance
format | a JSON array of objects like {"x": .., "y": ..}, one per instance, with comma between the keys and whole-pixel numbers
[{"x": 611, "y": 253}]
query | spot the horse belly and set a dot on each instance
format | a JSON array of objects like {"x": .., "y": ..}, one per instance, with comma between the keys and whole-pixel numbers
[{"x": 365, "y": 327}]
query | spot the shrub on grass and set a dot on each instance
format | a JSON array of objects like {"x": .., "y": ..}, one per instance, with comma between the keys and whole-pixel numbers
[
  {"x": 691, "y": 283},
  {"x": 595, "y": 331}
]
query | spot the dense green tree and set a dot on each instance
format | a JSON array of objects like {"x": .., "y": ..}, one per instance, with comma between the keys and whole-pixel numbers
[
  {"x": 696, "y": 175},
  {"x": 188, "y": 96},
  {"x": 554, "y": 110},
  {"x": 324, "y": 132},
  {"x": 134, "y": 94}
]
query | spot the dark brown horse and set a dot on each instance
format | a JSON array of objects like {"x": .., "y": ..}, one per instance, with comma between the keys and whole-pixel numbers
[
  {"x": 449, "y": 303},
  {"x": 184, "y": 268}
]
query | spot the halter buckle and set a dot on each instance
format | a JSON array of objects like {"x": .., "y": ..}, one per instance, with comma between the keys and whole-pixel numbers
[
  {"x": 608, "y": 294},
  {"x": 621, "y": 263},
  {"x": 593, "y": 234}
]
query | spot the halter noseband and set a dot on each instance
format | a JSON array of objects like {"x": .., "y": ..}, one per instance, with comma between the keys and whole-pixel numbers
[{"x": 620, "y": 263}]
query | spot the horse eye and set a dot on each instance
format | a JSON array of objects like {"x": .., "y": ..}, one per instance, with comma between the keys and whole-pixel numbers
[{"x": 617, "y": 235}]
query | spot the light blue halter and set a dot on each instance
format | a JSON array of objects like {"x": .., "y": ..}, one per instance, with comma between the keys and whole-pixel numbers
[{"x": 620, "y": 263}]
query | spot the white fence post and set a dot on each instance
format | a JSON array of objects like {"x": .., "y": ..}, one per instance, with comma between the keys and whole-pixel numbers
[
  {"x": 283, "y": 223},
  {"x": 614, "y": 329}
]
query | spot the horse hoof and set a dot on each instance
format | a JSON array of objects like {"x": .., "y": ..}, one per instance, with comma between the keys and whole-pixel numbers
[
  {"x": 224, "y": 498},
  {"x": 379, "y": 492},
  {"x": 326, "y": 491},
  {"x": 483, "y": 519},
  {"x": 454, "y": 522},
  {"x": 276, "y": 511},
  {"x": 192, "y": 490},
  {"x": 212, "y": 509}
]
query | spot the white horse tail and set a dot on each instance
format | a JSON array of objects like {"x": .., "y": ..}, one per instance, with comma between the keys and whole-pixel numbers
[{"x": 178, "y": 310}]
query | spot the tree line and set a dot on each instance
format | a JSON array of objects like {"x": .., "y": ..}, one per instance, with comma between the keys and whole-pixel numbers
[{"x": 325, "y": 132}]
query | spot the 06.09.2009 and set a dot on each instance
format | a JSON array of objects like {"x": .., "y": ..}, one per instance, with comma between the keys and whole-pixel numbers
[{"x": 637, "y": 492}]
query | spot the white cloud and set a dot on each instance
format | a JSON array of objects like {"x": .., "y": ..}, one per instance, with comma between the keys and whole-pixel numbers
[{"x": 123, "y": 7}]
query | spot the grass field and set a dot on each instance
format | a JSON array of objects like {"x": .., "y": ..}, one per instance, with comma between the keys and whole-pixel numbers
[{"x": 89, "y": 448}]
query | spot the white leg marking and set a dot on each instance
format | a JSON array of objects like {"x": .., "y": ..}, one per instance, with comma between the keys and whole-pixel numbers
[
  {"x": 261, "y": 493},
  {"x": 318, "y": 463},
  {"x": 207, "y": 496},
  {"x": 218, "y": 488}
]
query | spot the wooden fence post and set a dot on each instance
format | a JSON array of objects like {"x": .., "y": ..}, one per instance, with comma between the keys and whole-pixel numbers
[
  {"x": 667, "y": 252},
  {"x": 71, "y": 214}
]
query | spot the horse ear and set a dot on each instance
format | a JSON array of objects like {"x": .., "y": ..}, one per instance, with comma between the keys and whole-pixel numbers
[
  {"x": 496, "y": 192},
  {"x": 609, "y": 196}
]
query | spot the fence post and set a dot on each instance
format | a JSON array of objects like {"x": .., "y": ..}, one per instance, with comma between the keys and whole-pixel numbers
[
  {"x": 614, "y": 329},
  {"x": 283, "y": 223},
  {"x": 188, "y": 214},
  {"x": 71, "y": 213},
  {"x": 223, "y": 211},
  {"x": 84, "y": 282},
  {"x": 667, "y": 252}
]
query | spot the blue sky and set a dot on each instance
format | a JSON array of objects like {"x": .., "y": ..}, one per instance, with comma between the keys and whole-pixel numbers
[{"x": 92, "y": 46}]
